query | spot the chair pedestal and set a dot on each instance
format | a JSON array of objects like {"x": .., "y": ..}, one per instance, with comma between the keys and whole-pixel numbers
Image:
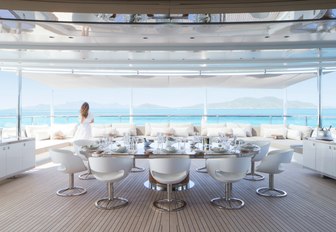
[
  {"x": 270, "y": 191},
  {"x": 111, "y": 202},
  {"x": 87, "y": 175},
  {"x": 253, "y": 176},
  {"x": 135, "y": 168},
  {"x": 227, "y": 202},
  {"x": 71, "y": 190},
  {"x": 202, "y": 169},
  {"x": 169, "y": 204}
]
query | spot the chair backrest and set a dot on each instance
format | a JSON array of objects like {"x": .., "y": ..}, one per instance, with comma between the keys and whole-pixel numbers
[
  {"x": 169, "y": 170},
  {"x": 272, "y": 162},
  {"x": 116, "y": 167},
  {"x": 69, "y": 162},
  {"x": 228, "y": 169},
  {"x": 264, "y": 147}
]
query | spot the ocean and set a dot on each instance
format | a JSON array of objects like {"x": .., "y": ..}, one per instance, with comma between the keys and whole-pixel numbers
[{"x": 105, "y": 116}]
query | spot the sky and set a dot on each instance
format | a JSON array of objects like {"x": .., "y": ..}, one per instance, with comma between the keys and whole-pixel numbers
[{"x": 34, "y": 93}]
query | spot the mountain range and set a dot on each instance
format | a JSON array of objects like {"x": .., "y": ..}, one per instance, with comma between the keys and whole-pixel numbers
[{"x": 239, "y": 103}]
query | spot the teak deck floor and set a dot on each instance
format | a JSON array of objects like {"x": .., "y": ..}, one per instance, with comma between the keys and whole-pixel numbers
[{"x": 29, "y": 203}]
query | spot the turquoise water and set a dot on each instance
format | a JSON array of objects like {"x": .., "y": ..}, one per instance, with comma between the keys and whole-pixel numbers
[{"x": 256, "y": 119}]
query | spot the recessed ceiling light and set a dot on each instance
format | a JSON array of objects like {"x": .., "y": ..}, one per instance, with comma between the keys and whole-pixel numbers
[
  {"x": 145, "y": 37},
  {"x": 267, "y": 36},
  {"x": 70, "y": 37},
  {"x": 192, "y": 37},
  {"x": 286, "y": 36},
  {"x": 51, "y": 37},
  {"x": 130, "y": 65}
]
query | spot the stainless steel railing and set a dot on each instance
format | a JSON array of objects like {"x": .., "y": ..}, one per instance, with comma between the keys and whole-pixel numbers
[{"x": 194, "y": 118}]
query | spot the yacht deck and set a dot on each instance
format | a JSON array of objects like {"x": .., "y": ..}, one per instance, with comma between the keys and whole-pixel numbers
[{"x": 29, "y": 203}]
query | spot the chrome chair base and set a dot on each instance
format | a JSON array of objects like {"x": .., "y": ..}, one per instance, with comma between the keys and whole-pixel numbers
[
  {"x": 86, "y": 176},
  {"x": 69, "y": 192},
  {"x": 231, "y": 203},
  {"x": 254, "y": 177},
  {"x": 267, "y": 192},
  {"x": 171, "y": 205},
  {"x": 111, "y": 203},
  {"x": 202, "y": 170},
  {"x": 137, "y": 169}
]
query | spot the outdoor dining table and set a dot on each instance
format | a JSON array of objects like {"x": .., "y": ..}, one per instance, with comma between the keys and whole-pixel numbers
[{"x": 141, "y": 152}]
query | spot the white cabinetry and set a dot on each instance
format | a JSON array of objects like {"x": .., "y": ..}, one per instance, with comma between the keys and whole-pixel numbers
[
  {"x": 16, "y": 157},
  {"x": 13, "y": 158},
  {"x": 309, "y": 154},
  {"x": 320, "y": 156},
  {"x": 2, "y": 161}
]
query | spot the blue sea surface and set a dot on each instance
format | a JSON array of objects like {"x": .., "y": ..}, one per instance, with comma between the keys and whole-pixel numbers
[{"x": 143, "y": 115}]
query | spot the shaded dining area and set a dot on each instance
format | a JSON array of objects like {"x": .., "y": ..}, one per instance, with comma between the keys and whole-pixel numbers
[{"x": 32, "y": 198}]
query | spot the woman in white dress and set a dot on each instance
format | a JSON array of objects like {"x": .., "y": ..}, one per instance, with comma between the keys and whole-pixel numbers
[{"x": 85, "y": 118}]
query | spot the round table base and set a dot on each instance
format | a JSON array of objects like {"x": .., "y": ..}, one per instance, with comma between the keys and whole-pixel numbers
[{"x": 163, "y": 187}]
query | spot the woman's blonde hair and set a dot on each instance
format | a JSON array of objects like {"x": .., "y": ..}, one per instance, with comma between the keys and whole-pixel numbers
[{"x": 84, "y": 111}]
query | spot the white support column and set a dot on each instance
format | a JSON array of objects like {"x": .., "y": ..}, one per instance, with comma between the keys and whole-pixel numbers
[
  {"x": 319, "y": 91},
  {"x": 284, "y": 107},
  {"x": 131, "y": 107},
  {"x": 19, "y": 103},
  {"x": 52, "y": 112},
  {"x": 319, "y": 105},
  {"x": 205, "y": 106}
]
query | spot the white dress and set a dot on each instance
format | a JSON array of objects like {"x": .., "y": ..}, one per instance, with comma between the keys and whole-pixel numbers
[{"x": 84, "y": 128}]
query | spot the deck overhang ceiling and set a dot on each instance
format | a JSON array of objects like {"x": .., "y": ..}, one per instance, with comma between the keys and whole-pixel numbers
[
  {"x": 266, "y": 54},
  {"x": 166, "y": 6},
  {"x": 61, "y": 81}
]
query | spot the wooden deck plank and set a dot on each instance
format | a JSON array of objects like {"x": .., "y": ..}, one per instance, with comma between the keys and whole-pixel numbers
[{"x": 29, "y": 203}]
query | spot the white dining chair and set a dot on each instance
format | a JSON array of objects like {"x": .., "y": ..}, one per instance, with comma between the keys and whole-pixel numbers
[
  {"x": 169, "y": 171},
  {"x": 228, "y": 170},
  {"x": 70, "y": 164},
  {"x": 78, "y": 144},
  {"x": 264, "y": 148},
  {"x": 111, "y": 170},
  {"x": 272, "y": 164}
]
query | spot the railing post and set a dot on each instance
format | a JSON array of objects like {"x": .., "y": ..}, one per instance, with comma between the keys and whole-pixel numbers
[{"x": 306, "y": 120}]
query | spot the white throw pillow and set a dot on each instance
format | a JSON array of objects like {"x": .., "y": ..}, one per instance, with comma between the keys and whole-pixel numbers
[
  {"x": 68, "y": 130},
  {"x": 181, "y": 132},
  {"x": 31, "y": 130},
  {"x": 103, "y": 131},
  {"x": 9, "y": 132},
  {"x": 42, "y": 134},
  {"x": 239, "y": 132},
  {"x": 294, "y": 134},
  {"x": 246, "y": 127},
  {"x": 121, "y": 131},
  {"x": 271, "y": 132},
  {"x": 149, "y": 126},
  {"x": 205, "y": 127},
  {"x": 217, "y": 131},
  {"x": 306, "y": 131},
  {"x": 162, "y": 130},
  {"x": 189, "y": 126},
  {"x": 269, "y": 126},
  {"x": 124, "y": 128}
]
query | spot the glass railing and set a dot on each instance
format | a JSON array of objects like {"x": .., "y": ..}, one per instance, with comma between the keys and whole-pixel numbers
[{"x": 141, "y": 119}]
